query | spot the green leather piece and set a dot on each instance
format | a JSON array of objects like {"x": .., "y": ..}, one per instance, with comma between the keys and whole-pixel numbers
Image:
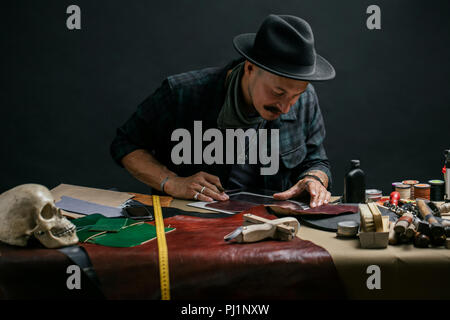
[
  {"x": 108, "y": 224},
  {"x": 130, "y": 234}
]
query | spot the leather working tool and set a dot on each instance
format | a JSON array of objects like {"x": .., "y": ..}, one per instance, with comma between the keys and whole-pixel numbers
[{"x": 256, "y": 228}]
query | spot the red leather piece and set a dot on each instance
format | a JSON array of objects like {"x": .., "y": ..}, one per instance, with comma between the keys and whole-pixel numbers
[
  {"x": 202, "y": 266},
  {"x": 323, "y": 210}
]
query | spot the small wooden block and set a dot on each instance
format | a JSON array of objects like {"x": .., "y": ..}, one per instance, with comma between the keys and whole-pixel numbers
[
  {"x": 366, "y": 218},
  {"x": 377, "y": 217},
  {"x": 385, "y": 223}
]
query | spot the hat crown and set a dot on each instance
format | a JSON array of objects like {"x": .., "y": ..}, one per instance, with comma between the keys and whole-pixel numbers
[
  {"x": 284, "y": 45},
  {"x": 287, "y": 38}
]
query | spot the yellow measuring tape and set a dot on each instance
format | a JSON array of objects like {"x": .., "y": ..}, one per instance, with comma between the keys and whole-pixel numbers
[{"x": 162, "y": 250}]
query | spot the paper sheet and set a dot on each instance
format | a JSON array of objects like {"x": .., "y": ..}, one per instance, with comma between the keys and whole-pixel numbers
[
  {"x": 85, "y": 207},
  {"x": 94, "y": 195}
]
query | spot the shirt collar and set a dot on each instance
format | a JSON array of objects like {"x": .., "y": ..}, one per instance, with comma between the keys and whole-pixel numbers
[{"x": 291, "y": 115}]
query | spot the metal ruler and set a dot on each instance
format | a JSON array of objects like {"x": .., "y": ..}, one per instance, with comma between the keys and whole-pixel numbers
[{"x": 162, "y": 250}]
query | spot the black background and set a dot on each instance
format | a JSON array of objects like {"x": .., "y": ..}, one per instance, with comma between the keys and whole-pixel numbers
[{"x": 64, "y": 92}]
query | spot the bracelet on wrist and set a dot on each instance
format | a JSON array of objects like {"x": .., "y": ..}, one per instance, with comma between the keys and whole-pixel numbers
[
  {"x": 163, "y": 183},
  {"x": 314, "y": 177}
]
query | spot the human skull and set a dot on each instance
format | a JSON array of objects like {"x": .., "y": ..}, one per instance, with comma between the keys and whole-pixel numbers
[{"x": 28, "y": 210}]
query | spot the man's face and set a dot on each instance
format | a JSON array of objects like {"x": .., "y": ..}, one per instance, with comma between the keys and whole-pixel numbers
[{"x": 271, "y": 95}]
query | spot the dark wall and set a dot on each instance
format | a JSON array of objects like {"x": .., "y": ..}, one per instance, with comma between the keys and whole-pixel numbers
[{"x": 63, "y": 93}]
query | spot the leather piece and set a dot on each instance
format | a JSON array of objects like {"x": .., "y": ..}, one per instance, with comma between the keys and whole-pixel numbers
[
  {"x": 326, "y": 210},
  {"x": 202, "y": 266},
  {"x": 242, "y": 201}
]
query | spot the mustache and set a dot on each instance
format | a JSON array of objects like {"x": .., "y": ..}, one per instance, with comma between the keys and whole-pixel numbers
[{"x": 272, "y": 109}]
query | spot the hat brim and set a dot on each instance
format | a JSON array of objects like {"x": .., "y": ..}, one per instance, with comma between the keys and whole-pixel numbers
[{"x": 243, "y": 43}]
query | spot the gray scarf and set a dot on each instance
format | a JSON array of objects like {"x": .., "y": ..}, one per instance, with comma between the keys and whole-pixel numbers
[{"x": 231, "y": 115}]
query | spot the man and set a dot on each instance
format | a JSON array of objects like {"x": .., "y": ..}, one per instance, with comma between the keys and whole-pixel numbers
[{"x": 268, "y": 89}]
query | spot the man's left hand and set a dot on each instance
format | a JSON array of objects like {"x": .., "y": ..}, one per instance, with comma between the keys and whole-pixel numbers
[{"x": 319, "y": 194}]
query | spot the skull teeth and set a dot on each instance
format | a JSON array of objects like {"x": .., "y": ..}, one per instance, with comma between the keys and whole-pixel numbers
[{"x": 64, "y": 232}]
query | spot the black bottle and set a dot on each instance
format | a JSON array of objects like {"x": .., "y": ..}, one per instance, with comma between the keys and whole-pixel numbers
[{"x": 355, "y": 184}]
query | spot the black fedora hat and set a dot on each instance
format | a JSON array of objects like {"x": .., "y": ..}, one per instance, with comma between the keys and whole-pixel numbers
[{"x": 284, "y": 45}]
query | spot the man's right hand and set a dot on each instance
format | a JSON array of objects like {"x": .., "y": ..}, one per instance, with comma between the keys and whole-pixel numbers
[{"x": 188, "y": 187}]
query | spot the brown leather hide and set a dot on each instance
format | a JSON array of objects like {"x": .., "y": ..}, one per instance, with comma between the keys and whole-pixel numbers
[{"x": 202, "y": 265}]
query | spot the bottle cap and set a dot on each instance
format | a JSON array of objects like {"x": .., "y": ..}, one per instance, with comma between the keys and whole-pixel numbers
[{"x": 355, "y": 163}]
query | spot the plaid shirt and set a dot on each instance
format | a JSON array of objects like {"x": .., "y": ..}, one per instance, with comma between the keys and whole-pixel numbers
[{"x": 199, "y": 95}]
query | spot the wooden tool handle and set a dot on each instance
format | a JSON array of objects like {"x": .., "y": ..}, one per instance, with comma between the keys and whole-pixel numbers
[
  {"x": 403, "y": 223},
  {"x": 410, "y": 231},
  {"x": 436, "y": 229},
  {"x": 258, "y": 232},
  {"x": 425, "y": 211}
]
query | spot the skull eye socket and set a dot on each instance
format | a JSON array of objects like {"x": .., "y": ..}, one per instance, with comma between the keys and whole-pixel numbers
[{"x": 47, "y": 212}]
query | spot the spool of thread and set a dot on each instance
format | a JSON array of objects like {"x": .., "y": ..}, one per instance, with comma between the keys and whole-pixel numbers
[
  {"x": 395, "y": 184},
  {"x": 373, "y": 195},
  {"x": 437, "y": 190},
  {"x": 422, "y": 191},
  {"x": 404, "y": 190},
  {"x": 411, "y": 183},
  {"x": 421, "y": 240}
]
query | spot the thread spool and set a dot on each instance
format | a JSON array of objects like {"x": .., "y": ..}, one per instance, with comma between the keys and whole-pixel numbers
[
  {"x": 394, "y": 184},
  {"x": 411, "y": 183},
  {"x": 404, "y": 190},
  {"x": 373, "y": 195},
  {"x": 437, "y": 190},
  {"x": 421, "y": 240},
  {"x": 422, "y": 191}
]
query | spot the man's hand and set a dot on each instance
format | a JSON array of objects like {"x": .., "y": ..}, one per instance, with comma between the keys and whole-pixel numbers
[
  {"x": 188, "y": 187},
  {"x": 319, "y": 194}
]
